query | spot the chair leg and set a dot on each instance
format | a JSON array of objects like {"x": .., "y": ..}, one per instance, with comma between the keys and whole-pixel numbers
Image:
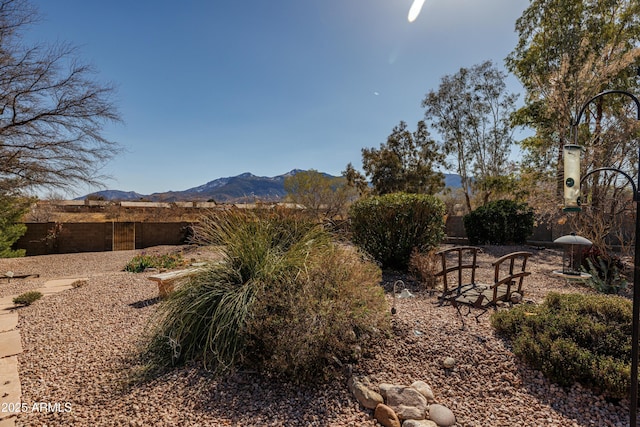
[
  {"x": 484, "y": 310},
  {"x": 458, "y": 306}
]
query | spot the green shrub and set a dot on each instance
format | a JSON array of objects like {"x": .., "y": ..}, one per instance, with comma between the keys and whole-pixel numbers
[
  {"x": 141, "y": 262},
  {"x": 286, "y": 299},
  {"x": 27, "y": 298},
  {"x": 574, "y": 338},
  {"x": 499, "y": 222},
  {"x": 391, "y": 226}
]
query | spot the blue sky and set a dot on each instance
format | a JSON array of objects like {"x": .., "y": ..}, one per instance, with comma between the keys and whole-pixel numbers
[{"x": 215, "y": 88}]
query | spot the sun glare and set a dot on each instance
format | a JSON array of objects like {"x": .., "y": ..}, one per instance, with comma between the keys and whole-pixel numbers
[{"x": 415, "y": 9}]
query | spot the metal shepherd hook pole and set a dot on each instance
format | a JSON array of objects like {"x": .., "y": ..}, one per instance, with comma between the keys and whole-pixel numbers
[{"x": 633, "y": 398}]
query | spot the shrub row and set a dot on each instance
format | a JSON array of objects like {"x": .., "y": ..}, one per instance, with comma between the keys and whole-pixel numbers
[{"x": 499, "y": 222}]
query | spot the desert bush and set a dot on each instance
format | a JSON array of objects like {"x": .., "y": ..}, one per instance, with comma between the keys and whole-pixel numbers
[
  {"x": 141, "y": 262},
  {"x": 286, "y": 299},
  {"x": 390, "y": 227},
  {"x": 27, "y": 298},
  {"x": 424, "y": 266},
  {"x": 606, "y": 269},
  {"x": 499, "y": 222},
  {"x": 79, "y": 283},
  {"x": 574, "y": 338},
  {"x": 329, "y": 311}
]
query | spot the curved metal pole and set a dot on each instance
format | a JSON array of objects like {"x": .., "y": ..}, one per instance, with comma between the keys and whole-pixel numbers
[
  {"x": 635, "y": 333},
  {"x": 626, "y": 175},
  {"x": 607, "y": 92}
]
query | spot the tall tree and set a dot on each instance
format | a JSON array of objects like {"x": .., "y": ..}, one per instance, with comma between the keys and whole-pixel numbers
[
  {"x": 567, "y": 52},
  {"x": 471, "y": 111},
  {"x": 405, "y": 163},
  {"x": 52, "y": 110}
]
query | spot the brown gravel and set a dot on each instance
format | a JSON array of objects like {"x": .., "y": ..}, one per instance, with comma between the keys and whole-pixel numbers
[{"x": 80, "y": 346}]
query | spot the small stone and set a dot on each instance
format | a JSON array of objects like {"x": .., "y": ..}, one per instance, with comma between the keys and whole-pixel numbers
[
  {"x": 407, "y": 402},
  {"x": 449, "y": 362},
  {"x": 364, "y": 395},
  {"x": 419, "y": 423},
  {"x": 441, "y": 415},
  {"x": 424, "y": 390},
  {"x": 516, "y": 298},
  {"x": 386, "y": 416}
]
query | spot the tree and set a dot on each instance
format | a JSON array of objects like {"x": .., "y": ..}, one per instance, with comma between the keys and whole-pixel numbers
[
  {"x": 568, "y": 51},
  {"x": 323, "y": 195},
  {"x": 356, "y": 180},
  {"x": 52, "y": 111},
  {"x": 12, "y": 209},
  {"x": 405, "y": 163},
  {"x": 471, "y": 111}
]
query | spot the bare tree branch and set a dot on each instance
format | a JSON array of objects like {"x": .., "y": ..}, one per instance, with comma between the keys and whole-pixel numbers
[{"x": 52, "y": 110}]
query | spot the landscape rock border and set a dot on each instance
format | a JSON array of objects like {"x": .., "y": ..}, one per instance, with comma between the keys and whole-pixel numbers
[{"x": 395, "y": 404}]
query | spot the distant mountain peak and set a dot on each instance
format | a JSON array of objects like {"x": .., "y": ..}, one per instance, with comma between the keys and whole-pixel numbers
[
  {"x": 245, "y": 187},
  {"x": 293, "y": 172}
]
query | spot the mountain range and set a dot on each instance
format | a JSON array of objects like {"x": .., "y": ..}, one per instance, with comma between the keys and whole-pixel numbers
[{"x": 245, "y": 187}]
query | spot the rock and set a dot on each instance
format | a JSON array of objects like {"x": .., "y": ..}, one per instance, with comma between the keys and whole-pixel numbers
[
  {"x": 407, "y": 402},
  {"x": 356, "y": 352},
  {"x": 449, "y": 362},
  {"x": 419, "y": 423},
  {"x": 363, "y": 394},
  {"x": 516, "y": 298},
  {"x": 385, "y": 416},
  {"x": 441, "y": 415},
  {"x": 406, "y": 412},
  {"x": 424, "y": 390}
]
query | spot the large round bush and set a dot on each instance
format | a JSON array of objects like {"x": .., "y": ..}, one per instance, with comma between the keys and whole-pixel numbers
[{"x": 391, "y": 226}]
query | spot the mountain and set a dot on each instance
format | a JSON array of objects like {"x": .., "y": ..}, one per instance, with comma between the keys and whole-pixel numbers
[
  {"x": 452, "y": 180},
  {"x": 114, "y": 195},
  {"x": 245, "y": 187}
]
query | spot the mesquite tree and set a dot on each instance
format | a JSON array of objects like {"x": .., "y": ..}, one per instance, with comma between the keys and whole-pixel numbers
[{"x": 52, "y": 110}]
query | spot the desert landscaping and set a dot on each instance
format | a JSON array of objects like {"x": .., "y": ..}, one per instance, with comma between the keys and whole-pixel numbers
[{"x": 80, "y": 350}]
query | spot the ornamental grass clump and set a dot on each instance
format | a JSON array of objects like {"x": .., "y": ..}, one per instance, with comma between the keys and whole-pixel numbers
[
  {"x": 286, "y": 299},
  {"x": 574, "y": 338},
  {"x": 27, "y": 298}
]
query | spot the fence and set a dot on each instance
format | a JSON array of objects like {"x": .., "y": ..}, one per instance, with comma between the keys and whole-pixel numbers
[{"x": 58, "y": 238}]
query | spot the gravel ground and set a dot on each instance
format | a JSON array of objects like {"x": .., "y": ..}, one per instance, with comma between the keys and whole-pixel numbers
[{"x": 80, "y": 346}]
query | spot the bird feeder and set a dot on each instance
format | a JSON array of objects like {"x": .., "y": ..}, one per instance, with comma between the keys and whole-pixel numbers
[
  {"x": 571, "y": 155},
  {"x": 573, "y": 248}
]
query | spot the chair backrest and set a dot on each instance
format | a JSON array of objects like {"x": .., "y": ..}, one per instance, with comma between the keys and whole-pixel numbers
[
  {"x": 515, "y": 271},
  {"x": 459, "y": 263}
]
